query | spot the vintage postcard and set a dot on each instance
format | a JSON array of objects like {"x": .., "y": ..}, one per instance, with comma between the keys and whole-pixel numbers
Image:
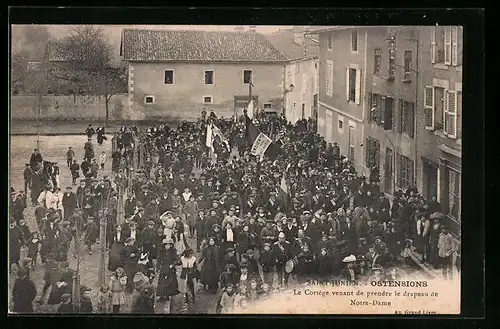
[{"x": 203, "y": 169}]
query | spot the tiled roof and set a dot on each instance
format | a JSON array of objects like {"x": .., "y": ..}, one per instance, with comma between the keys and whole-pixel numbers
[
  {"x": 283, "y": 41},
  {"x": 177, "y": 45}
]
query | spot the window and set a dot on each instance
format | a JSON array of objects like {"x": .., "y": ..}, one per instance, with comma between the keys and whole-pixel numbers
[
  {"x": 453, "y": 186},
  {"x": 330, "y": 41},
  {"x": 268, "y": 106},
  {"x": 454, "y": 45},
  {"x": 374, "y": 103},
  {"x": 450, "y": 113},
  {"x": 387, "y": 115},
  {"x": 303, "y": 110},
  {"x": 353, "y": 85},
  {"x": 247, "y": 76},
  {"x": 406, "y": 118},
  {"x": 407, "y": 65},
  {"x": 354, "y": 40},
  {"x": 405, "y": 171},
  {"x": 372, "y": 158},
  {"x": 429, "y": 107},
  {"x": 169, "y": 77},
  {"x": 340, "y": 126},
  {"x": 315, "y": 65},
  {"x": 329, "y": 78},
  {"x": 439, "y": 104},
  {"x": 447, "y": 45},
  {"x": 209, "y": 77},
  {"x": 376, "y": 61},
  {"x": 392, "y": 57},
  {"x": 352, "y": 141},
  {"x": 207, "y": 100},
  {"x": 149, "y": 100}
]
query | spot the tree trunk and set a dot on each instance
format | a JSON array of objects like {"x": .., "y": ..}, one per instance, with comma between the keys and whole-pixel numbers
[{"x": 106, "y": 99}]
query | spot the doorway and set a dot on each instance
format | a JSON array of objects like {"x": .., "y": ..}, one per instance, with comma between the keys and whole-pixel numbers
[
  {"x": 388, "y": 170},
  {"x": 430, "y": 178}
]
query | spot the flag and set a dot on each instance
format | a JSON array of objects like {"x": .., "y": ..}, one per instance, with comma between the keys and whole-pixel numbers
[
  {"x": 284, "y": 185},
  {"x": 209, "y": 140},
  {"x": 252, "y": 132},
  {"x": 260, "y": 145},
  {"x": 250, "y": 109},
  {"x": 217, "y": 133}
]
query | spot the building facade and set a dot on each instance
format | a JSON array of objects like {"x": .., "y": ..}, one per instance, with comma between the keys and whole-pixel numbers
[
  {"x": 301, "y": 72},
  {"x": 180, "y": 73},
  {"x": 391, "y": 98},
  {"x": 440, "y": 123}
]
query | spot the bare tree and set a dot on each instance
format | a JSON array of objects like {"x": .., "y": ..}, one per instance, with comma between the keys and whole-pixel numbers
[{"x": 85, "y": 60}]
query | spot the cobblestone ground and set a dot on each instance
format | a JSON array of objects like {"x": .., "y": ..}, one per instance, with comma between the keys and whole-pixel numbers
[{"x": 54, "y": 148}]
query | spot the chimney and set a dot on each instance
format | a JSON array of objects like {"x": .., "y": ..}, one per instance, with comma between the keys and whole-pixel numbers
[{"x": 298, "y": 35}]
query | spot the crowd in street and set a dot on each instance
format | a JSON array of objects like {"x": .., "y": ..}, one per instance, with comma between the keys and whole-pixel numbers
[{"x": 301, "y": 212}]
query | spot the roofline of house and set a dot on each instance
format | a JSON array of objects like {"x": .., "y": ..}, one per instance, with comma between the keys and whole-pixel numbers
[
  {"x": 302, "y": 59},
  {"x": 282, "y": 62},
  {"x": 338, "y": 28}
]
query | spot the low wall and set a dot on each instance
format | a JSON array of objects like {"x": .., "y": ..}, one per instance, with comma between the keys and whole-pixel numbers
[{"x": 25, "y": 107}]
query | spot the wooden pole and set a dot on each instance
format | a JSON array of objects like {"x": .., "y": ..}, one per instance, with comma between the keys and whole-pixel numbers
[
  {"x": 120, "y": 217},
  {"x": 102, "y": 243}
]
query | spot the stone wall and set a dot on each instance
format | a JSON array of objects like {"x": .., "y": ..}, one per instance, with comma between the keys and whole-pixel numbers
[{"x": 25, "y": 107}]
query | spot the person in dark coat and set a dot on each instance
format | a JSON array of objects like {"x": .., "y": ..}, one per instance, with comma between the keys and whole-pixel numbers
[
  {"x": 201, "y": 229},
  {"x": 36, "y": 186},
  {"x": 69, "y": 202},
  {"x": 16, "y": 240},
  {"x": 115, "y": 253},
  {"x": 62, "y": 283},
  {"x": 66, "y": 306},
  {"x": 36, "y": 159},
  {"x": 91, "y": 234},
  {"x": 23, "y": 293},
  {"x": 129, "y": 257},
  {"x": 210, "y": 271},
  {"x": 168, "y": 285},
  {"x": 101, "y": 135},
  {"x": 323, "y": 265},
  {"x": 85, "y": 301}
]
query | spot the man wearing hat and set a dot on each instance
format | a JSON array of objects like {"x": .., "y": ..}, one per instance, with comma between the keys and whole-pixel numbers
[
  {"x": 69, "y": 202},
  {"x": 269, "y": 233},
  {"x": 130, "y": 255},
  {"x": 23, "y": 293},
  {"x": 282, "y": 253},
  {"x": 446, "y": 248},
  {"x": 85, "y": 301},
  {"x": 36, "y": 159},
  {"x": 348, "y": 272},
  {"x": 28, "y": 172}
]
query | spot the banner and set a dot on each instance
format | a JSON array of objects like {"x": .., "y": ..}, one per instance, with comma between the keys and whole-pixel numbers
[
  {"x": 209, "y": 141},
  {"x": 284, "y": 185},
  {"x": 217, "y": 133},
  {"x": 260, "y": 145}
]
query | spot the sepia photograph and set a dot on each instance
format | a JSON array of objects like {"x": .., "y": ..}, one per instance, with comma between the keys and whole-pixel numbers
[{"x": 235, "y": 169}]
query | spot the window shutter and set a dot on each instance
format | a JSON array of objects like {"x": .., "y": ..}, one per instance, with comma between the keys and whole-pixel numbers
[
  {"x": 429, "y": 107},
  {"x": 400, "y": 117},
  {"x": 369, "y": 103},
  {"x": 347, "y": 83},
  {"x": 454, "y": 45},
  {"x": 452, "y": 104},
  {"x": 358, "y": 87},
  {"x": 447, "y": 45},
  {"x": 445, "y": 110},
  {"x": 433, "y": 44},
  {"x": 411, "y": 119},
  {"x": 380, "y": 106}
]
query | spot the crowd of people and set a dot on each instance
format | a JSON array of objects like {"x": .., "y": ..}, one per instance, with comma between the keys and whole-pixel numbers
[{"x": 237, "y": 226}]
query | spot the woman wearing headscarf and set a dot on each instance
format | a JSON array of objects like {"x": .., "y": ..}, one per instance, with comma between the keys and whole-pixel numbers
[{"x": 210, "y": 271}]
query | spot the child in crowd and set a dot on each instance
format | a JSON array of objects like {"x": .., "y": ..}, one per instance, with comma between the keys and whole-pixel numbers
[
  {"x": 85, "y": 301},
  {"x": 104, "y": 300},
  {"x": 102, "y": 159},
  {"x": 33, "y": 246},
  {"x": 227, "y": 300}
]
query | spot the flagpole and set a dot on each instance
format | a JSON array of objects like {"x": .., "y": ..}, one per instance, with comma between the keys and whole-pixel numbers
[{"x": 250, "y": 94}]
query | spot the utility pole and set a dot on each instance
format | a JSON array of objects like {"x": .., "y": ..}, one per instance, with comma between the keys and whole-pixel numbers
[{"x": 102, "y": 243}]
